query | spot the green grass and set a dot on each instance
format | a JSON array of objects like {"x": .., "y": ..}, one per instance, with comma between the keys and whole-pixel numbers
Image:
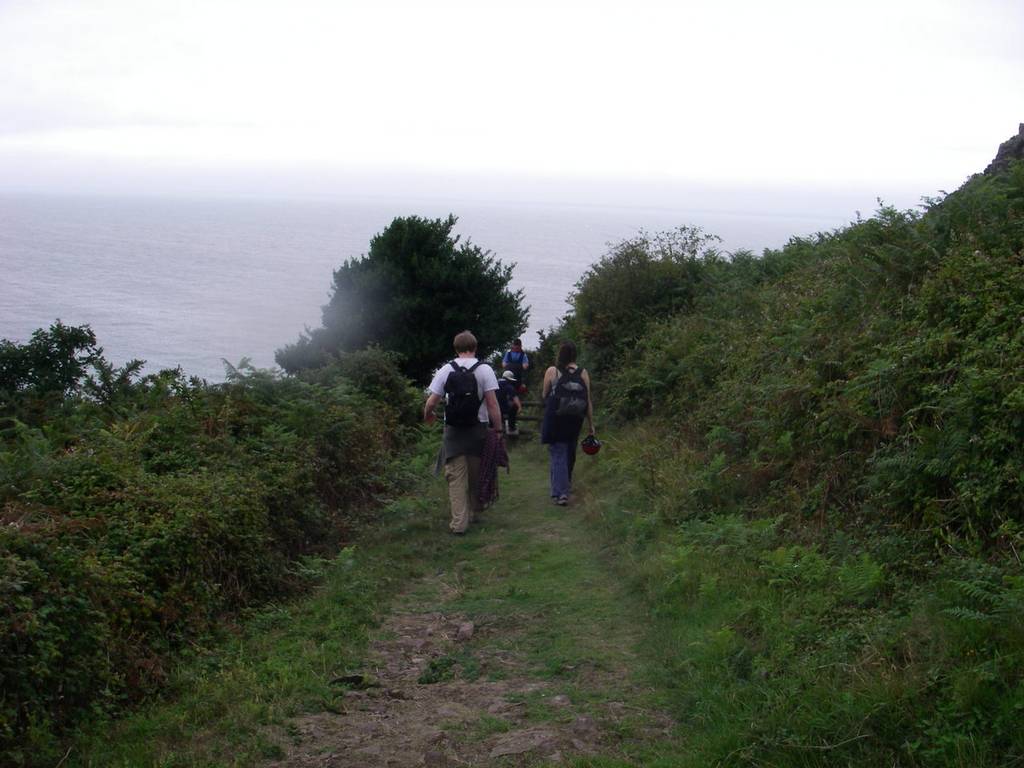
[
  {"x": 774, "y": 649},
  {"x": 537, "y": 579},
  {"x": 537, "y": 566},
  {"x": 766, "y": 651},
  {"x": 229, "y": 705},
  {"x": 545, "y": 582}
]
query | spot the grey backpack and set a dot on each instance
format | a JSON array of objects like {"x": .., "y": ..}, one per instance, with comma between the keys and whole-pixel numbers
[{"x": 571, "y": 394}]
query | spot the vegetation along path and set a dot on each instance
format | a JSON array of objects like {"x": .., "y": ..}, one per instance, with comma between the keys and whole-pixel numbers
[
  {"x": 514, "y": 645},
  {"x": 520, "y": 650}
]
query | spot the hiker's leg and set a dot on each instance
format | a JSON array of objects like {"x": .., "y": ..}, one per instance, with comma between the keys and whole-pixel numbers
[
  {"x": 456, "y": 472},
  {"x": 559, "y": 469},
  {"x": 551, "y": 469},
  {"x": 570, "y": 459},
  {"x": 473, "y": 486}
]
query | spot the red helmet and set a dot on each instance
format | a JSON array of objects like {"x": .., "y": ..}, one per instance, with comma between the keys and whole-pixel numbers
[
  {"x": 522, "y": 389},
  {"x": 590, "y": 445}
]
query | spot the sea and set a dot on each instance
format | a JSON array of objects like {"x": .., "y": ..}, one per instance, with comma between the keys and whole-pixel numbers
[{"x": 198, "y": 284}]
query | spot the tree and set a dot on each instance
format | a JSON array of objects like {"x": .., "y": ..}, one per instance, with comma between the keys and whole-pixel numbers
[
  {"x": 644, "y": 278},
  {"x": 55, "y": 366},
  {"x": 416, "y": 288},
  {"x": 53, "y": 362}
]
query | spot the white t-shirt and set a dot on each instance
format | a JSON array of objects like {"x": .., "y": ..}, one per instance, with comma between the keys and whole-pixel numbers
[{"x": 486, "y": 381}]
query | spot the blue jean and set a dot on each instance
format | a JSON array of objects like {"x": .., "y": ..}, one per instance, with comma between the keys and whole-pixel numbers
[{"x": 559, "y": 453}]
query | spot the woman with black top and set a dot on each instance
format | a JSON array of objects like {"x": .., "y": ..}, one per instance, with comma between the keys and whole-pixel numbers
[{"x": 567, "y": 401}]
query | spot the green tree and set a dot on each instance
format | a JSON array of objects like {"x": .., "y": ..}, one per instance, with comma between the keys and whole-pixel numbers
[
  {"x": 55, "y": 366},
  {"x": 644, "y": 278},
  {"x": 52, "y": 362},
  {"x": 416, "y": 288}
]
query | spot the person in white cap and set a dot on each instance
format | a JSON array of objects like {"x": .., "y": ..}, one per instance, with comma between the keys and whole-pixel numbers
[{"x": 508, "y": 401}]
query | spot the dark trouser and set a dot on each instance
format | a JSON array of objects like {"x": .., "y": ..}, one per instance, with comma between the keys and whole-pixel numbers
[
  {"x": 559, "y": 457},
  {"x": 511, "y": 416},
  {"x": 563, "y": 459}
]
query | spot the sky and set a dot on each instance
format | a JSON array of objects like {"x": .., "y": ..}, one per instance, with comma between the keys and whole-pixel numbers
[{"x": 639, "y": 97}]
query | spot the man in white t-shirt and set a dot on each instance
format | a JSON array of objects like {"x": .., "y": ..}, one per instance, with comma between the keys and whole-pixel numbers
[{"x": 463, "y": 444}]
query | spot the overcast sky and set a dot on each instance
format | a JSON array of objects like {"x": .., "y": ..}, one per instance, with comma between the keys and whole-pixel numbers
[{"x": 304, "y": 95}]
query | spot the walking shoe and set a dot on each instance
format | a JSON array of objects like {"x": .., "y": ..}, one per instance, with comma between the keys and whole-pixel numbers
[
  {"x": 563, "y": 501},
  {"x": 512, "y": 432}
]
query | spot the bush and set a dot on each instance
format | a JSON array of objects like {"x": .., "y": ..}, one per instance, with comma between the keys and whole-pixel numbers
[
  {"x": 37, "y": 378},
  {"x": 136, "y": 516},
  {"x": 377, "y": 374},
  {"x": 641, "y": 278},
  {"x": 831, "y": 441},
  {"x": 867, "y": 374},
  {"x": 416, "y": 288},
  {"x": 792, "y": 645}
]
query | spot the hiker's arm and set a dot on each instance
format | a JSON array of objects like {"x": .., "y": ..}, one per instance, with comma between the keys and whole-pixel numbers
[
  {"x": 429, "y": 407},
  {"x": 590, "y": 401},
  {"x": 493, "y": 411},
  {"x": 548, "y": 378}
]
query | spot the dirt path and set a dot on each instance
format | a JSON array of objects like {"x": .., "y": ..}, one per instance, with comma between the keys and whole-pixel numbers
[{"x": 520, "y": 651}]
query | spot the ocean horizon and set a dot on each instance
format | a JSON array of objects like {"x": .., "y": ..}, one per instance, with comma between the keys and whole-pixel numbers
[{"x": 194, "y": 282}]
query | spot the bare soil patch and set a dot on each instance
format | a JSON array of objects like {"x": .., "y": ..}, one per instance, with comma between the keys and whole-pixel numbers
[{"x": 433, "y": 696}]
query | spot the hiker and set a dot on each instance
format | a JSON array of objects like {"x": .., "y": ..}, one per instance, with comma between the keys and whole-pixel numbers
[
  {"x": 508, "y": 401},
  {"x": 468, "y": 388},
  {"x": 516, "y": 361},
  {"x": 567, "y": 400}
]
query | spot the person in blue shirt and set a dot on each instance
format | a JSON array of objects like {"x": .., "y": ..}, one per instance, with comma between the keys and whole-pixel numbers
[{"x": 516, "y": 361}]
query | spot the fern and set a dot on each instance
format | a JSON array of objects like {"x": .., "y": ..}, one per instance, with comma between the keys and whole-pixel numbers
[
  {"x": 990, "y": 601},
  {"x": 967, "y": 614},
  {"x": 861, "y": 579}
]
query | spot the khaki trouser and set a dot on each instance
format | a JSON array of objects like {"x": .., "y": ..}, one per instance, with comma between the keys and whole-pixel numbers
[{"x": 463, "y": 475}]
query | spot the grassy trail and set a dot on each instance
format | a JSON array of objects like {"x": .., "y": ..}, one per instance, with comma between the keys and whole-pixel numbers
[{"x": 513, "y": 645}]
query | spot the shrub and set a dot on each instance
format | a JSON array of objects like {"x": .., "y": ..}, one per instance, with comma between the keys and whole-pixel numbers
[
  {"x": 859, "y": 394},
  {"x": 139, "y": 513},
  {"x": 416, "y": 288},
  {"x": 640, "y": 278},
  {"x": 873, "y": 371}
]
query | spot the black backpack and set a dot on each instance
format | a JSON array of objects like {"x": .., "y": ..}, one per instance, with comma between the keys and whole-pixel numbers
[
  {"x": 571, "y": 394},
  {"x": 462, "y": 401},
  {"x": 505, "y": 394}
]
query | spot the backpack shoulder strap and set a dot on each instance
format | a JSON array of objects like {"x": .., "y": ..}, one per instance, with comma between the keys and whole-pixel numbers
[
  {"x": 448, "y": 383},
  {"x": 476, "y": 365}
]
